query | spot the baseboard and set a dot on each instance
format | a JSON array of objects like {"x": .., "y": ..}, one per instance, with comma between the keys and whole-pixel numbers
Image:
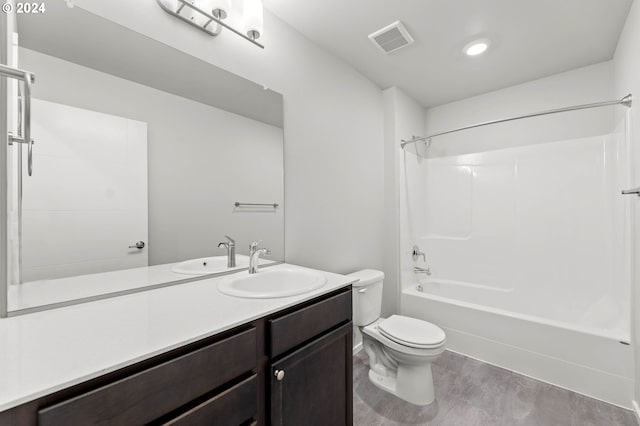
[
  {"x": 636, "y": 410},
  {"x": 611, "y": 388},
  {"x": 357, "y": 348}
]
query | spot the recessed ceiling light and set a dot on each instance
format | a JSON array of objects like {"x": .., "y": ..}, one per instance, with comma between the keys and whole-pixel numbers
[{"x": 476, "y": 47}]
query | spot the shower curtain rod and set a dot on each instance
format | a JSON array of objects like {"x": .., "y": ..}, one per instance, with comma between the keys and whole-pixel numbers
[{"x": 626, "y": 101}]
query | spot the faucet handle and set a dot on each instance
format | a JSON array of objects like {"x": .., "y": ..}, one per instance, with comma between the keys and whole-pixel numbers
[
  {"x": 417, "y": 253},
  {"x": 232, "y": 242},
  {"x": 254, "y": 245}
]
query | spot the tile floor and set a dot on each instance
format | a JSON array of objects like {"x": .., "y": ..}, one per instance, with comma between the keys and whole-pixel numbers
[{"x": 472, "y": 393}]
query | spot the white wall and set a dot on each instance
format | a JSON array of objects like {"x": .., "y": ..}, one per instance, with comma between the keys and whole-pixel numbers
[
  {"x": 580, "y": 86},
  {"x": 627, "y": 79},
  {"x": 404, "y": 118},
  {"x": 190, "y": 194},
  {"x": 333, "y": 132}
]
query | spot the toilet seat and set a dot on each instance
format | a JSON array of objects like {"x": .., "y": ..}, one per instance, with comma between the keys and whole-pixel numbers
[
  {"x": 412, "y": 332},
  {"x": 373, "y": 331}
]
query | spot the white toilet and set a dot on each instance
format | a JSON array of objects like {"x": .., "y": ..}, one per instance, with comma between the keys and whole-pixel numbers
[{"x": 400, "y": 349}]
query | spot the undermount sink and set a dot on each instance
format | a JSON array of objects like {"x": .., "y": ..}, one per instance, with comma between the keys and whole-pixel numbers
[
  {"x": 208, "y": 265},
  {"x": 272, "y": 283}
]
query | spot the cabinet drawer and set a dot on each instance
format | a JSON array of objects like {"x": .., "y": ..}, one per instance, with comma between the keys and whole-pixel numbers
[
  {"x": 229, "y": 408},
  {"x": 291, "y": 330},
  {"x": 151, "y": 393}
]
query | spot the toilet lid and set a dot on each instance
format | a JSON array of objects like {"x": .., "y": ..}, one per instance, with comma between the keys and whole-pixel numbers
[{"x": 412, "y": 332}]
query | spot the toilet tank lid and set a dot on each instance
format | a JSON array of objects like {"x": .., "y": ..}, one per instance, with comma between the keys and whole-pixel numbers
[{"x": 367, "y": 277}]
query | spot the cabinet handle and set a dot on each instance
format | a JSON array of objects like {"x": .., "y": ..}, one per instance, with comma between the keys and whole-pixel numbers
[{"x": 279, "y": 375}]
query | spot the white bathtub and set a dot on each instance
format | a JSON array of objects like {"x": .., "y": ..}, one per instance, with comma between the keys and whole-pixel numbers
[{"x": 589, "y": 354}]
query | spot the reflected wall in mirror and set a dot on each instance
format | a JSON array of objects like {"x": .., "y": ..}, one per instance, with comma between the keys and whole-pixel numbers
[{"x": 141, "y": 152}]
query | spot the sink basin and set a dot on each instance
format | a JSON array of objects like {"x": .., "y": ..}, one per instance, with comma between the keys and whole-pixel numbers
[
  {"x": 208, "y": 265},
  {"x": 271, "y": 283}
]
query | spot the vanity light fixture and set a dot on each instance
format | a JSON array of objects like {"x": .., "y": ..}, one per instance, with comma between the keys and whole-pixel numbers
[
  {"x": 209, "y": 16},
  {"x": 476, "y": 47}
]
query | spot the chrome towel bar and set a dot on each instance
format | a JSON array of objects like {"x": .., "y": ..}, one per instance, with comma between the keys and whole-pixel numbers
[
  {"x": 635, "y": 191},
  {"x": 239, "y": 204}
]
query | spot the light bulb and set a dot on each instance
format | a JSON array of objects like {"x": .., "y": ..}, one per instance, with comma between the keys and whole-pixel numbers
[
  {"x": 476, "y": 47},
  {"x": 253, "y": 20}
]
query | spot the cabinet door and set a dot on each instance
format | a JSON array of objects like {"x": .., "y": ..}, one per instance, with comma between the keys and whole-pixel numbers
[{"x": 314, "y": 385}]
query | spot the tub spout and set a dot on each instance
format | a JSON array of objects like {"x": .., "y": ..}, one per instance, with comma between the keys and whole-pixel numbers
[{"x": 419, "y": 270}]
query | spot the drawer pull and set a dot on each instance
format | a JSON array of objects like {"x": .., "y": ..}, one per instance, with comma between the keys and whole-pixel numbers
[{"x": 279, "y": 375}]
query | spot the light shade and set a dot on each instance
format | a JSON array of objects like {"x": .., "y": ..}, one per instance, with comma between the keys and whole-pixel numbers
[
  {"x": 253, "y": 20},
  {"x": 219, "y": 8},
  {"x": 170, "y": 4},
  {"x": 476, "y": 47}
]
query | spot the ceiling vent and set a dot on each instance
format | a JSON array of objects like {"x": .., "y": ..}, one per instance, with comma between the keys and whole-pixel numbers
[{"x": 391, "y": 38}]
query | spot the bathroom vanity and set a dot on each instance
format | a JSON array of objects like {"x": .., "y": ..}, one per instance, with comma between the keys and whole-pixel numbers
[{"x": 291, "y": 365}]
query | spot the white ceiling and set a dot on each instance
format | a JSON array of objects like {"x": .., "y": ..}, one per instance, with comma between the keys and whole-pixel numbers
[{"x": 530, "y": 39}]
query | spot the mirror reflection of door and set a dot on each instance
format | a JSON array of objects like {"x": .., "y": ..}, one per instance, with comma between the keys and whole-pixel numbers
[{"x": 86, "y": 202}]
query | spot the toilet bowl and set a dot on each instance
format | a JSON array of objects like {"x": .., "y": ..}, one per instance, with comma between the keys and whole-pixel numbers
[
  {"x": 400, "y": 349},
  {"x": 403, "y": 368}
]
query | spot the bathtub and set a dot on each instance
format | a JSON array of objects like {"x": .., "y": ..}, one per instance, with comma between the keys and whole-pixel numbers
[{"x": 588, "y": 354}]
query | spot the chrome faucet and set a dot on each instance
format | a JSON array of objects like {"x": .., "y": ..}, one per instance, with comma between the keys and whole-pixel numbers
[
  {"x": 254, "y": 255},
  {"x": 417, "y": 253},
  {"x": 231, "y": 251}
]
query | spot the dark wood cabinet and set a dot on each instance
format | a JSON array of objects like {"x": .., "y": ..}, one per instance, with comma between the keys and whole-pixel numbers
[
  {"x": 312, "y": 385},
  {"x": 301, "y": 325},
  {"x": 143, "y": 397},
  {"x": 227, "y": 379},
  {"x": 233, "y": 407}
]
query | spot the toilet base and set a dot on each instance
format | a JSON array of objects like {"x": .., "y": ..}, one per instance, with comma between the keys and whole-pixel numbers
[
  {"x": 386, "y": 383},
  {"x": 421, "y": 392}
]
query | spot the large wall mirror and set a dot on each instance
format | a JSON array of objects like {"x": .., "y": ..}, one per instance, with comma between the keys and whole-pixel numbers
[{"x": 141, "y": 155}]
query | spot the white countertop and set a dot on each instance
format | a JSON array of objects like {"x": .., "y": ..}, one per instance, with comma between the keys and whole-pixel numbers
[{"x": 43, "y": 352}]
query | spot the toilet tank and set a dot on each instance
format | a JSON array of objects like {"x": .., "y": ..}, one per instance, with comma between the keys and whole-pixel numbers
[{"x": 367, "y": 296}]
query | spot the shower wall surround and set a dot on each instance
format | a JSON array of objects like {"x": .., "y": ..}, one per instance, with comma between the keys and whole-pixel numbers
[{"x": 538, "y": 230}]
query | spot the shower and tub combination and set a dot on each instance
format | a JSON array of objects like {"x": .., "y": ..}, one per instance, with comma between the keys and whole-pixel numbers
[{"x": 520, "y": 250}]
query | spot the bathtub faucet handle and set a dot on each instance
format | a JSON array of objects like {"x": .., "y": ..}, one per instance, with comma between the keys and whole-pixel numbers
[{"x": 417, "y": 253}]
